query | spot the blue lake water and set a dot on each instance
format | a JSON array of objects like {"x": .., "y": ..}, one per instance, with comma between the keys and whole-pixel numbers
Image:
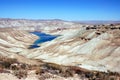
[{"x": 43, "y": 37}]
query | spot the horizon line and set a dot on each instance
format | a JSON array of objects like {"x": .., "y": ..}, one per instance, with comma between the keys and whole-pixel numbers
[{"x": 53, "y": 19}]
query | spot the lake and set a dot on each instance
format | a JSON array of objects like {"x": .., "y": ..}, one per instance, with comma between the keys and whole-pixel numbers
[{"x": 43, "y": 37}]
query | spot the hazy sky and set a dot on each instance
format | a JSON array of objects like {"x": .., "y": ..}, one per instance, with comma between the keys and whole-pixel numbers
[{"x": 61, "y": 9}]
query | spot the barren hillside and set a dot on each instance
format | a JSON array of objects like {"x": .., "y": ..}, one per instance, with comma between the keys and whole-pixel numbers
[{"x": 93, "y": 47}]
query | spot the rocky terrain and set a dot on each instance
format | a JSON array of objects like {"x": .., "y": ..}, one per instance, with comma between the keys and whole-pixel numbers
[{"x": 80, "y": 48}]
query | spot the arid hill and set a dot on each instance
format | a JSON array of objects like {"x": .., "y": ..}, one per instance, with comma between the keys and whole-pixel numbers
[{"x": 90, "y": 47}]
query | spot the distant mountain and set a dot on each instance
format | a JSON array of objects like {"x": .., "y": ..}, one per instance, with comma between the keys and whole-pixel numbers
[
  {"x": 49, "y": 23},
  {"x": 97, "y": 22},
  {"x": 29, "y": 24}
]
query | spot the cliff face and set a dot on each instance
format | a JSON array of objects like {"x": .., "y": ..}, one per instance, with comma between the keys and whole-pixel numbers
[{"x": 94, "y": 48}]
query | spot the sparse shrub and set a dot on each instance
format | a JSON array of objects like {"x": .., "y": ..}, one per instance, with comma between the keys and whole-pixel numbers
[
  {"x": 87, "y": 28},
  {"x": 111, "y": 24},
  {"x": 39, "y": 71},
  {"x": 6, "y": 62},
  {"x": 68, "y": 73},
  {"x": 53, "y": 66},
  {"x": 20, "y": 73},
  {"x": 24, "y": 66},
  {"x": 98, "y": 33}
]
